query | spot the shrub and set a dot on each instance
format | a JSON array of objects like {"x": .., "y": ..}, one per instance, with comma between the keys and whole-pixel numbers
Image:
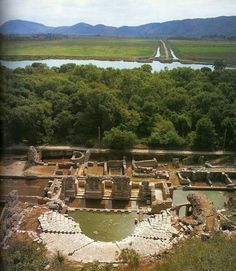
[
  {"x": 96, "y": 266},
  {"x": 58, "y": 259},
  {"x": 131, "y": 257}
]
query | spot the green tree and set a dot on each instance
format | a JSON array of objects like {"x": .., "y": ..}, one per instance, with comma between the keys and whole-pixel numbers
[
  {"x": 205, "y": 134},
  {"x": 30, "y": 122},
  {"x": 182, "y": 124},
  {"x": 176, "y": 101},
  {"x": 99, "y": 108},
  {"x": 63, "y": 125},
  {"x": 69, "y": 104},
  {"x": 165, "y": 135},
  {"x": 219, "y": 65},
  {"x": 146, "y": 68},
  {"x": 118, "y": 139},
  {"x": 131, "y": 120}
]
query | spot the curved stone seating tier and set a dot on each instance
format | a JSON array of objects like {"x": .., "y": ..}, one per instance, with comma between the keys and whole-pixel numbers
[
  {"x": 152, "y": 236},
  {"x": 54, "y": 222}
]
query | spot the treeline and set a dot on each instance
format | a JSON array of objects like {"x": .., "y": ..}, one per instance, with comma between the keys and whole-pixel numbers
[
  {"x": 36, "y": 37},
  {"x": 206, "y": 37},
  {"x": 86, "y": 105},
  {"x": 48, "y": 37}
]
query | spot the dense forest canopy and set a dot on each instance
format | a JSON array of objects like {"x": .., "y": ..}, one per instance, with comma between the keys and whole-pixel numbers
[{"x": 86, "y": 105}]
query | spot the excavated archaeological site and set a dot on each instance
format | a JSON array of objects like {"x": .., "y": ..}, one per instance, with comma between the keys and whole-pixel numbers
[{"x": 59, "y": 195}]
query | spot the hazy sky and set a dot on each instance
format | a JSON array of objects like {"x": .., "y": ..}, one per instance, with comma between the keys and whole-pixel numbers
[{"x": 112, "y": 12}]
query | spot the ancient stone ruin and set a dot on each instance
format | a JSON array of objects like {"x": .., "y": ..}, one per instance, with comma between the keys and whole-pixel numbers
[
  {"x": 33, "y": 156},
  {"x": 164, "y": 201},
  {"x": 152, "y": 236},
  {"x": 148, "y": 169},
  {"x": 208, "y": 175},
  {"x": 119, "y": 167},
  {"x": 121, "y": 187},
  {"x": 203, "y": 215},
  {"x": 94, "y": 187}
]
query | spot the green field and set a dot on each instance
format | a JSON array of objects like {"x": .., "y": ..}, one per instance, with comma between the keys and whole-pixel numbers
[
  {"x": 204, "y": 50},
  {"x": 81, "y": 48}
]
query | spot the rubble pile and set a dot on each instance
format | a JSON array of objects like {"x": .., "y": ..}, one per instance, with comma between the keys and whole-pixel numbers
[{"x": 204, "y": 215}]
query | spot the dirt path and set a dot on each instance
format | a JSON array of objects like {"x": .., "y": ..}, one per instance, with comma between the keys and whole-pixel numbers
[
  {"x": 166, "y": 53},
  {"x": 132, "y": 151},
  {"x": 138, "y": 151}
]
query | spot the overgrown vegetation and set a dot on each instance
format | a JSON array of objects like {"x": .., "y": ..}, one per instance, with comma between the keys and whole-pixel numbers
[
  {"x": 179, "y": 108},
  {"x": 24, "y": 256},
  {"x": 131, "y": 258},
  {"x": 58, "y": 261},
  {"x": 96, "y": 266},
  {"x": 217, "y": 253}
]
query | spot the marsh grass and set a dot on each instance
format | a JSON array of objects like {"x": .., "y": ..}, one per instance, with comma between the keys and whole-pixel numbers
[
  {"x": 105, "y": 48},
  {"x": 208, "y": 50}
]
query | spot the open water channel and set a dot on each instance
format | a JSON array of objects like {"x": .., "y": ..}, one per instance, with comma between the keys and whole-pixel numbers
[{"x": 156, "y": 65}]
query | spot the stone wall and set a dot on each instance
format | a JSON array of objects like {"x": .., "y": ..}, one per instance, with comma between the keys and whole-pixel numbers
[
  {"x": 158, "y": 205},
  {"x": 145, "y": 163},
  {"x": 121, "y": 187},
  {"x": 186, "y": 176},
  {"x": 116, "y": 164},
  {"x": 78, "y": 157},
  {"x": 68, "y": 187},
  {"x": 145, "y": 192},
  {"x": 94, "y": 187}
]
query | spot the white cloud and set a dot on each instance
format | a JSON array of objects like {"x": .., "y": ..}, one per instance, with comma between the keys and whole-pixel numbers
[{"x": 112, "y": 12}]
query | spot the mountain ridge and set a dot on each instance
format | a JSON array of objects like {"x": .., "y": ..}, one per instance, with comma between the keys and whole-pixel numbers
[{"x": 218, "y": 26}]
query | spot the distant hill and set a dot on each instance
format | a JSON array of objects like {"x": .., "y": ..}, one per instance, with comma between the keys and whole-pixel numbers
[
  {"x": 24, "y": 28},
  {"x": 219, "y": 26}
]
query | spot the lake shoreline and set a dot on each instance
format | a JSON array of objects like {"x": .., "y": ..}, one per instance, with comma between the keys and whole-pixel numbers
[
  {"x": 115, "y": 64},
  {"x": 26, "y": 57},
  {"x": 150, "y": 60},
  {"x": 144, "y": 60}
]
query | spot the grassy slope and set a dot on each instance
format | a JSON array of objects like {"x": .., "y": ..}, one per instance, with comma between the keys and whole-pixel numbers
[
  {"x": 216, "y": 254},
  {"x": 104, "y": 48},
  {"x": 204, "y": 50}
]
